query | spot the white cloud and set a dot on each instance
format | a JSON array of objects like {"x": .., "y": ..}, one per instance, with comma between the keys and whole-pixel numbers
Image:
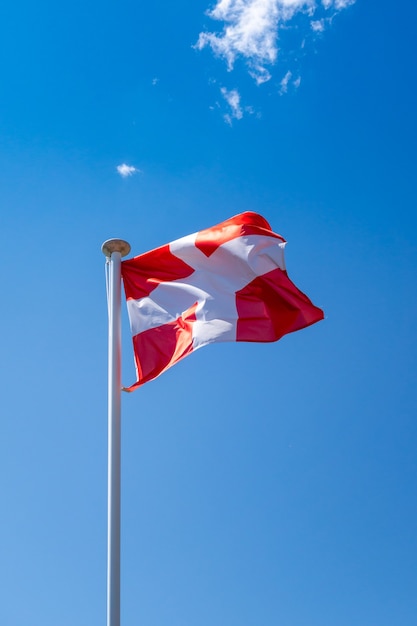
[
  {"x": 232, "y": 98},
  {"x": 342, "y": 4},
  {"x": 251, "y": 29},
  {"x": 284, "y": 82},
  {"x": 234, "y": 102},
  {"x": 126, "y": 170},
  {"x": 288, "y": 80},
  {"x": 337, "y": 4},
  {"x": 317, "y": 25}
]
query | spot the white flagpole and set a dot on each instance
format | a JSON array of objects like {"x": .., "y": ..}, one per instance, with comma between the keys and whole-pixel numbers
[{"x": 114, "y": 250}]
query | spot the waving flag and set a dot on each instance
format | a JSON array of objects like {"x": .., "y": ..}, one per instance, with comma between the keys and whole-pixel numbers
[{"x": 225, "y": 283}]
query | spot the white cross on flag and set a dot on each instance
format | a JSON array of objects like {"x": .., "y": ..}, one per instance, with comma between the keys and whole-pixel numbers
[{"x": 225, "y": 283}]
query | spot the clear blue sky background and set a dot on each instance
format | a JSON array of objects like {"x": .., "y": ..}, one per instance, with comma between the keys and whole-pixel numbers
[{"x": 262, "y": 484}]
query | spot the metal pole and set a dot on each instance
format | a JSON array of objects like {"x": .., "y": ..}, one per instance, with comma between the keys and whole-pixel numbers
[{"x": 114, "y": 249}]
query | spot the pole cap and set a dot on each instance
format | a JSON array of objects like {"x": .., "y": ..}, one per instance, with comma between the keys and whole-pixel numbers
[{"x": 115, "y": 245}]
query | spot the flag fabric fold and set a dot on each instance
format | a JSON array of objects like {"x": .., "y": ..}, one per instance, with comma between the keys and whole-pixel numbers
[{"x": 225, "y": 283}]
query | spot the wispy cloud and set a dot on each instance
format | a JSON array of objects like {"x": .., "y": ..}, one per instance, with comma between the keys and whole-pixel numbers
[
  {"x": 284, "y": 82},
  {"x": 232, "y": 98},
  {"x": 318, "y": 25},
  {"x": 251, "y": 29},
  {"x": 288, "y": 80},
  {"x": 235, "y": 108},
  {"x": 126, "y": 170}
]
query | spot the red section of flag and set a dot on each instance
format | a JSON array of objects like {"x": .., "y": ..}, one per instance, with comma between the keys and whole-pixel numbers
[
  {"x": 271, "y": 306},
  {"x": 248, "y": 223},
  {"x": 158, "y": 348},
  {"x": 144, "y": 273}
]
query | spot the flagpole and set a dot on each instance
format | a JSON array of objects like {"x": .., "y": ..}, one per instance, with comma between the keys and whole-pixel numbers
[{"x": 114, "y": 250}]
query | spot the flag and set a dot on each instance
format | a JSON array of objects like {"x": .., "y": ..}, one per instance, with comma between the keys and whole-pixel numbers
[{"x": 225, "y": 283}]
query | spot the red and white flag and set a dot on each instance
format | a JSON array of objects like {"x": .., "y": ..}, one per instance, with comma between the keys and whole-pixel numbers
[{"x": 225, "y": 283}]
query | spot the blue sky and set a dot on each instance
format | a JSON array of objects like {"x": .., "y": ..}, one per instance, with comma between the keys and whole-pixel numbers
[{"x": 262, "y": 484}]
